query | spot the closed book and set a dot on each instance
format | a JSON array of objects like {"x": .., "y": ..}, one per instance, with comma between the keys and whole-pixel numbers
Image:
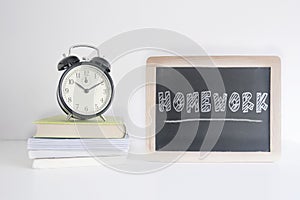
[
  {"x": 77, "y": 144},
  {"x": 60, "y": 127},
  {"x": 36, "y": 154},
  {"x": 77, "y": 162}
]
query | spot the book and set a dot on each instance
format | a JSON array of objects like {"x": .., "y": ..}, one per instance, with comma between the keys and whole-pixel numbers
[
  {"x": 77, "y": 144},
  {"x": 59, "y": 142},
  {"x": 60, "y": 127},
  {"x": 76, "y": 162},
  {"x": 37, "y": 154}
]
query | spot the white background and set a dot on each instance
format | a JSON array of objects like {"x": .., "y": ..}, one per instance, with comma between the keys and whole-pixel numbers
[{"x": 34, "y": 34}]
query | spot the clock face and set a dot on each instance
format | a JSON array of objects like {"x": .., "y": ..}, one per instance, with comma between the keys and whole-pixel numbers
[{"x": 86, "y": 90}]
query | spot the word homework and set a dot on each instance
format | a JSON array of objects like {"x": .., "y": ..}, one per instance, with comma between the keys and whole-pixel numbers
[{"x": 208, "y": 101}]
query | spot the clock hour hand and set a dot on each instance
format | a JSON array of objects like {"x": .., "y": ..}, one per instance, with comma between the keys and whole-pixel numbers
[
  {"x": 94, "y": 86},
  {"x": 85, "y": 90}
]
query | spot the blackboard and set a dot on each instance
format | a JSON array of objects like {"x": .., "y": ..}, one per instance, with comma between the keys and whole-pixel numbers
[
  {"x": 226, "y": 105},
  {"x": 247, "y": 130}
]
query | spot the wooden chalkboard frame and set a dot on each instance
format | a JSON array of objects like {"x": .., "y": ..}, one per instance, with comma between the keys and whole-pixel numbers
[{"x": 216, "y": 61}]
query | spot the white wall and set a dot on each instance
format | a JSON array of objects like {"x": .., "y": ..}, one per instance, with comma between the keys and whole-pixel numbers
[{"x": 34, "y": 34}]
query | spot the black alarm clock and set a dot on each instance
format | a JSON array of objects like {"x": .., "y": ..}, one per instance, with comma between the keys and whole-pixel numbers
[{"x": 85, "y": 89}]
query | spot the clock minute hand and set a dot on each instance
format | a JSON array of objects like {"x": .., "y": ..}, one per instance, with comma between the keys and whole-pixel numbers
[{"x": 94, "y": 86}]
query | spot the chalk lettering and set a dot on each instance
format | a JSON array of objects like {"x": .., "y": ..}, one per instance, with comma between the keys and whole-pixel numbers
[
  {"x": 234, "y": 102},
  {"x": 247, "y": 104},
  {"x": 260, "y": 102},
  {"x": 178, "y": 102},
  {"x": 205, "y": 101},
  {"x": 192, "y": 100},
  {"x": 164, "y": 102},
  {"x": 220, "y": 102}
]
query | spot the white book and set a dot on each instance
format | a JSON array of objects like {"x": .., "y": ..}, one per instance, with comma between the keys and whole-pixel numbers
[
  {"x": 76, "y": 162},
  {"x": 35, "y": 154},
  {"x": 77, "y": 144}
]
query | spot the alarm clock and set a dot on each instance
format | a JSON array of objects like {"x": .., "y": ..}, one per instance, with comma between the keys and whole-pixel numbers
[{"x": 85, "y": 89}]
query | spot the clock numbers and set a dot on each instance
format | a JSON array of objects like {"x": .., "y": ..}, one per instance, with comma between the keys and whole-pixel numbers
[
  {"x": 71, "y": 81},
  {"x": 86, "y": 90},
  {"x": 86, "y": 80}
]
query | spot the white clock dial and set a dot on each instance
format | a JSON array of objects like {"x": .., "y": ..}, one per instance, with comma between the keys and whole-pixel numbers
[{"x": 86, "y": 90}]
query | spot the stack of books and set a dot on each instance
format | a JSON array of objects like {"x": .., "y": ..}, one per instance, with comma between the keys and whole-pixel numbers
[{"x": 59, "y": 142}]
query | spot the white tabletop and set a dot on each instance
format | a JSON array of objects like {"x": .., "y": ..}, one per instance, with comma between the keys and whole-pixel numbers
[{"x": 278, "y": 180}]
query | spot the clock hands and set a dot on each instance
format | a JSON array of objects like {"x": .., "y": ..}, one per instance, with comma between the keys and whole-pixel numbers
[
  {"x": 94, "y": 86},
  {"x": 86, "y": 90}
]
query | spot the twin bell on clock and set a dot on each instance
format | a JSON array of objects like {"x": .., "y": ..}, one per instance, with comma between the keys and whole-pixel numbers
[{"x": 85, "y": 89}]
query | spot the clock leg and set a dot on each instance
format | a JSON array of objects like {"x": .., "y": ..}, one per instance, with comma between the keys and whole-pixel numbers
[
  {"x": 69, "y": 117},
  {"x": 102, "y": 117}
]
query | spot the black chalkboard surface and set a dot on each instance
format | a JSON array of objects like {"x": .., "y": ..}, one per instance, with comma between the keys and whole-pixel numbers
[
  {"x": 228, "y": 106},
  {"x": 246, "y": 130}
]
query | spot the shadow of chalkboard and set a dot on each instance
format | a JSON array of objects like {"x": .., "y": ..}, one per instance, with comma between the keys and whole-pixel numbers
[{"x": 240, "y": 131}]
